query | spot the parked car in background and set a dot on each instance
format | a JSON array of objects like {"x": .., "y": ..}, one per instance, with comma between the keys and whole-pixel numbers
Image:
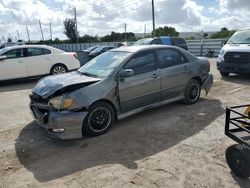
[
  {"x": 88, "y": 50},
  {"x": 99, "y": 50},
  {"x": 117, "y": 84},
  {"x": 34, "y": 60},
  {"x": 234, "y": 56},
  {"x": 163, "y": 40}
]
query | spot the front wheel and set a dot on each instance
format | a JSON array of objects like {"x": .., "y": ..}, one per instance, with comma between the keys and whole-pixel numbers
[
  {"x": 238, "y": 160},
  {"x": 192, "y": 92},
  {"x": 99, "y": 119}
]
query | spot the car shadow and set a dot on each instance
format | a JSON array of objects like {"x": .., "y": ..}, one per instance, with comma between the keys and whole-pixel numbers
[
  {"x": 243, "y": 183},
  {"x": 20, "y": 84},
  {"x": 134, "y": 138},
  {"x": 238, "y": 79}
]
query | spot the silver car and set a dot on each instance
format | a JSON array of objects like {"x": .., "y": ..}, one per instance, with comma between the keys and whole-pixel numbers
[{"x": 117, "y": 84}]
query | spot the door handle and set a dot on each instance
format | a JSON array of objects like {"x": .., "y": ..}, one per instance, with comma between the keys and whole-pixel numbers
[{"x": 155, "y": 76}]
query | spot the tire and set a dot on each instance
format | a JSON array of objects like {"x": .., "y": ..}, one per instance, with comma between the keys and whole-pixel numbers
[
  {"x": 99, "y": 119},
  {"x": 238, "y": 160},
  {"x": 224, "y": 74},
  {"x": 58, "y": 69},
  {"x": 192, "y": 92}
]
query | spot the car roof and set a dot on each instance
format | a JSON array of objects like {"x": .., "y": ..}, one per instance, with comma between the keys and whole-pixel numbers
[
  {"x": 28, "y": 46},
  {"x": 31, "y": 46},
  {"x": 133, "y": 49}
]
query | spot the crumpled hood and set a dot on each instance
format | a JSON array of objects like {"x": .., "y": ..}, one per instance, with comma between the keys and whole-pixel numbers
[{"x": 50, "y": 84}]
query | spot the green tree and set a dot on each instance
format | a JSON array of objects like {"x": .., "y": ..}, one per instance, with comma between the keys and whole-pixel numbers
[
  {"x": 88, "y": 38},
  {"x": 166, "y": 31},
  {"x": 70, "y": 29},
  {"x": 118, "y": 37},
  {"x": 223, "y": 33}
]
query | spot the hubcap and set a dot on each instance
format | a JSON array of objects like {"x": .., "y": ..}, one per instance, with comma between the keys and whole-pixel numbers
[
  {"x": 194, "y": 92},
  {"x": 59, "y": 70},
  {"x": 99, "y": 119}
]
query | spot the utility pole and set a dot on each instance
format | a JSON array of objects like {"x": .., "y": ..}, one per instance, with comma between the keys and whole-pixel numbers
[
  {"x": 125, "y": 33},
  {"x": 41, "y": 29},
  {"x": 76, "y": 26},
  {"x": 28, "y": 33},
  {"x": 145, "y": 30},
  {"x": 50, "y": 30},
  {"x": 153, "y": 17},
  {"x": 18, "y": 34}
]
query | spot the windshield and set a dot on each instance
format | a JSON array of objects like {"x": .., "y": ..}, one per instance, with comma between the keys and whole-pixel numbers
[
  {"x": 143, "y": 42},
  {"x": 104, "y": 64},
  {"x": 98, "y": 49},
  {"x": 91, "y": 48},
  {"x": 240, "y": 37}
]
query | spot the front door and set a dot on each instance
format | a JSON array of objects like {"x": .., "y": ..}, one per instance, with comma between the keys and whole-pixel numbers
[
  {"x": 144, "y": 87},
  {"x": 14, "y": 66}
]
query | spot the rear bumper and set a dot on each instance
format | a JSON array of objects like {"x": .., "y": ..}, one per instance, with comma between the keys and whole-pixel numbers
[
  {"x": 60, "y": 124},
  {"x": 207, "y": 84},
  {"x": 238, "y": 68}
]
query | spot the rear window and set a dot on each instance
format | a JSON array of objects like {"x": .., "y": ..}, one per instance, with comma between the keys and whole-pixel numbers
[{"x": 178, "y": 41}]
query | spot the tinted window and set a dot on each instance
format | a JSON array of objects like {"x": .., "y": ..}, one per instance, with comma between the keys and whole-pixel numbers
[
  {"x": 156, "y": 41},
  {"x": 37, "y": 51},
  {"x": 17, "y": 53},
  {"x": 170, "y": 57},
  {"x": 46, "y": 51},
  {"x": 178, "y": 41},
  {"x": 141, "y": 63}
]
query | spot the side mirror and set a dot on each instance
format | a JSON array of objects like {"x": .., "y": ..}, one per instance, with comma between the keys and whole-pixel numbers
[
  {"x": 127, "y": 73},
  {"x": 3, "y": 57}
]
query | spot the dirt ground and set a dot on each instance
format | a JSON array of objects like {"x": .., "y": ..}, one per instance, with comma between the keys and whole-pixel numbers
[{"x": 175, "y": 145}]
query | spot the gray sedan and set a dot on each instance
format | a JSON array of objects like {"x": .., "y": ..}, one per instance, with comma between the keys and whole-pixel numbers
[{"x": 117, "y": 84}]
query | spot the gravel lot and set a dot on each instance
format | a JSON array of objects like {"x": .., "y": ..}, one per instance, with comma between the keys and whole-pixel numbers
[{"x": 175, "y": 145}]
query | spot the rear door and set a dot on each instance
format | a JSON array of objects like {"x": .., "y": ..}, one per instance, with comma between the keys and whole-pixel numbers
[
  {"x": 144, "y": 87},
  {"x": 14, "y": 66},
  {"x": 38, "y": 61},
  {"x": 174, "y": 70}
]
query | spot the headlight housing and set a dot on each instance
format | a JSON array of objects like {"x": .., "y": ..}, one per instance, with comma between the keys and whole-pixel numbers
[
  {"x": 221, "y": 52},
  {"x": 61, "y": 102}
]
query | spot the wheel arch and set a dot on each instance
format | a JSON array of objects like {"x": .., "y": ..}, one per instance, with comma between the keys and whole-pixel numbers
[
  {"x": 56, "y": 64},
  {"x": 198, "y": 79},
  {"x": 108, "y": 102}
]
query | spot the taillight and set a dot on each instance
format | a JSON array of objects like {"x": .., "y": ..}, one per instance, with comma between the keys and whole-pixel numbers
[{"x": 75, "y": 55}]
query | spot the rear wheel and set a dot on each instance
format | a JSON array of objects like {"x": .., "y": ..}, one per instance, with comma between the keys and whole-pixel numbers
[
  {"x": 224, "y": 73},
  {"x": 238, "y": 160},
  {"x": 99, "y": 119},
  {"x": 192, "y": 92},
  {"x": 58, "y": 69}
]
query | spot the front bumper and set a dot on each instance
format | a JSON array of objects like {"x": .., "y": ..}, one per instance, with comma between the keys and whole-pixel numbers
[
  {"x": 59, "y": 124},
  {"x": 207, "y": 84},
  {"x": 238, "y": 68}
]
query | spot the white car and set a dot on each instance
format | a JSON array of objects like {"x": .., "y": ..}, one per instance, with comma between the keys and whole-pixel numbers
[{"x": 34, "y": 60}]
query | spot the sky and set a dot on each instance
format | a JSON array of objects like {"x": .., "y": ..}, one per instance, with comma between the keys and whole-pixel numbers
[{"x": 100, "y": 17}]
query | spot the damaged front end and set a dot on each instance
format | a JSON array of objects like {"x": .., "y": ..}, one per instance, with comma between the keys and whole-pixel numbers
[{"x": 54, "y": 108}]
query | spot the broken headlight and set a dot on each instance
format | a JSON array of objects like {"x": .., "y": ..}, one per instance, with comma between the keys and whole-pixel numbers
[{"x": 61, "y": 102}]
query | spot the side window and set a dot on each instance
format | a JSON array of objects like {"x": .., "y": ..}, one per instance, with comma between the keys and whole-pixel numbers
[
  {"x": 34, "y": 51},
  {"x": 46, "y": 51},
  {"x": 17, "y": 53},
  {"x": 170, "y": 57},
  {"x": 156, "y": 41},
  {"x": 142, "y": 62}
]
